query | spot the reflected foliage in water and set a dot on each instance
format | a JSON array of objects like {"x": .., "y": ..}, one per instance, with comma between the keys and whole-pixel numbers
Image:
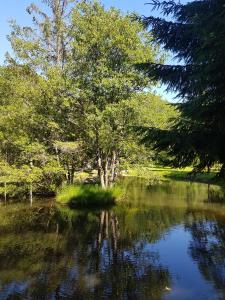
[
  {"x": 51, "y": 252},
  {"x": 207, "y": 247}
]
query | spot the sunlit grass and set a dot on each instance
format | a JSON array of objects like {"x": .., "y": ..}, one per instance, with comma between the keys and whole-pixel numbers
[
  {"x": 88, "y": 195},
  {"x": 166, "y": 173}
]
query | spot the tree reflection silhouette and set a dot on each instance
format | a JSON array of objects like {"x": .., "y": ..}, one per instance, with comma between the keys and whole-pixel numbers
[
  {"x": 207, "y": 248},
  {"x": 77, "y": 255},
  {"x": 53, "y": 252}
]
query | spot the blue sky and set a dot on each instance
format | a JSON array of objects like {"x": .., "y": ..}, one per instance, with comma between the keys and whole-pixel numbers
[{"x": 16, "y": 9}]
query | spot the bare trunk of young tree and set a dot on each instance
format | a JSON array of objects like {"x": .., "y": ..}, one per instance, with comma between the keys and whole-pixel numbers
[
  {"x": 55, "y": 34},
  {"x": 5, "y": 191},
  {"x": 31, "y": 194},
  {"x": 101, "y": 173},
  {"x": 113, "y": 168},
  {"x": 106, "y": 172},
  {"x": 57, "y": 155},
  {"x": 57, "y": 11},
  {"x": 107, "y": 169},
  {"x": 31, "y": 185}
]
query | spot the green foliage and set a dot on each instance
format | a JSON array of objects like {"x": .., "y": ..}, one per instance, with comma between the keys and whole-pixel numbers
[
  {"x": 196, "y": 36},
  {"x": 88, "y": 195},
  {"x": 46, "y": 43},
  {"x": 71, "y": 95},
  {"x": 149, "y": 110},
  {"x": 53, "y": 240},
  {"x": 105, "y": 47},
  {"x": 146, "y": 173}
]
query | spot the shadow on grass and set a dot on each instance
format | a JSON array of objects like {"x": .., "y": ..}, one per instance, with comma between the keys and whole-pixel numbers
[
  {"x": 188, "y": 175},
  {"x": 209, "y": 178}
]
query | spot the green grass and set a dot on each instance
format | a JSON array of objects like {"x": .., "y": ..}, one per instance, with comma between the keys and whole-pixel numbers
[
  {"x": 186, "y": 174},
  {"x": 166, "y": 173},
  {"x": 87, "y": 195}
]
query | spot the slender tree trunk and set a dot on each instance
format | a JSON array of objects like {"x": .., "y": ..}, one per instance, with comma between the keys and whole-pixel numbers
[
  {"x": 31, "y": 194},
  {"x": 57, "y": 229},
  {"x": 72, "y": 176},
  {"x": 101, "y": 172},
  {"x": 5, "y": 191},
  {"x": 106, "y": 170},
  {"x": 67, "y": 177},
  {"x": 102, "y": 180},
  {"x": 57, "y": 10},
  {"x": 31, "y": 185},
  {"x": 106, "y": 173},
  {"x": 57, "y": 155},
  {"x": 113, "y": 168}
]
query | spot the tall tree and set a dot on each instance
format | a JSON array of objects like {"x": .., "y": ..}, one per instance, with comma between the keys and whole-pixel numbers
[
  {"x": 196, "y": 35},
  {"x": 48, "y": 41},
  {"x": 72, "y": 112},
  {"x": 106, "y": 45}
]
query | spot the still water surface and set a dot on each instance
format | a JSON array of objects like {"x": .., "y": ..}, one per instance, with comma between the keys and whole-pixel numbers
[{"x": 165, "y": 242}]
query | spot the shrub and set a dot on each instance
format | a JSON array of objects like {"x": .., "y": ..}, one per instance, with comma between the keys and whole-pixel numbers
[{"x": 87, "y": 195}]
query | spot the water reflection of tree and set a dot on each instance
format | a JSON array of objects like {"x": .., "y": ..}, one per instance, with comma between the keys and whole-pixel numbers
[
  {"x": 117, "y": 267},
  {"x": 184, "y": 192},
  {"x": 216, "y": 195},
  {"x": 207, "y": 248},
  {"x": 77, "y": 255}
]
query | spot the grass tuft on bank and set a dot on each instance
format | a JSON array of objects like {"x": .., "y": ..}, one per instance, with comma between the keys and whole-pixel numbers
[{"x": 88, "y": 196}]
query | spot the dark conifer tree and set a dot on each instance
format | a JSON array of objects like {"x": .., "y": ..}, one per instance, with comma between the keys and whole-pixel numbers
[{"x": 196, "y": 36}]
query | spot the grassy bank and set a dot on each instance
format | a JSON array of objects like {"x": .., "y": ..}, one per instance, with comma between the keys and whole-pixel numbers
[
  {"x": 87, "y": 195},
  {"x": 153, "y": 174}
]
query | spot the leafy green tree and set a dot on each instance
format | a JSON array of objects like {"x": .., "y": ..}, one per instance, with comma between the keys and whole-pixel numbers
[
  {"x": 48, "y": 41},
  {"x": 150, "y": 110},
  {"x": 196, "y": 36},
  {"x": 71, "y": 95},
  {"x": 105, "y": 47},
  {"x": 25, "y": 137}
]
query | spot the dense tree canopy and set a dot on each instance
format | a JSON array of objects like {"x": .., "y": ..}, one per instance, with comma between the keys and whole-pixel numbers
[
  {"x": 71, "y": 94},
  {"x": 103, "y": 78},
  {"x": 196, "y": 37}
]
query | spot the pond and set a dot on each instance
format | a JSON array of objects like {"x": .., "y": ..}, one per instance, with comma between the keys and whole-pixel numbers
[{"x": 166, "y": 241}]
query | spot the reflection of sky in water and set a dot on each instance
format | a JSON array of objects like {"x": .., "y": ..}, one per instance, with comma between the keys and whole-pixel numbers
[
  {"x": 12, "y": 288},
  {"x": 187, "y": 282},
  {"x": 165, "y": 243}
]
